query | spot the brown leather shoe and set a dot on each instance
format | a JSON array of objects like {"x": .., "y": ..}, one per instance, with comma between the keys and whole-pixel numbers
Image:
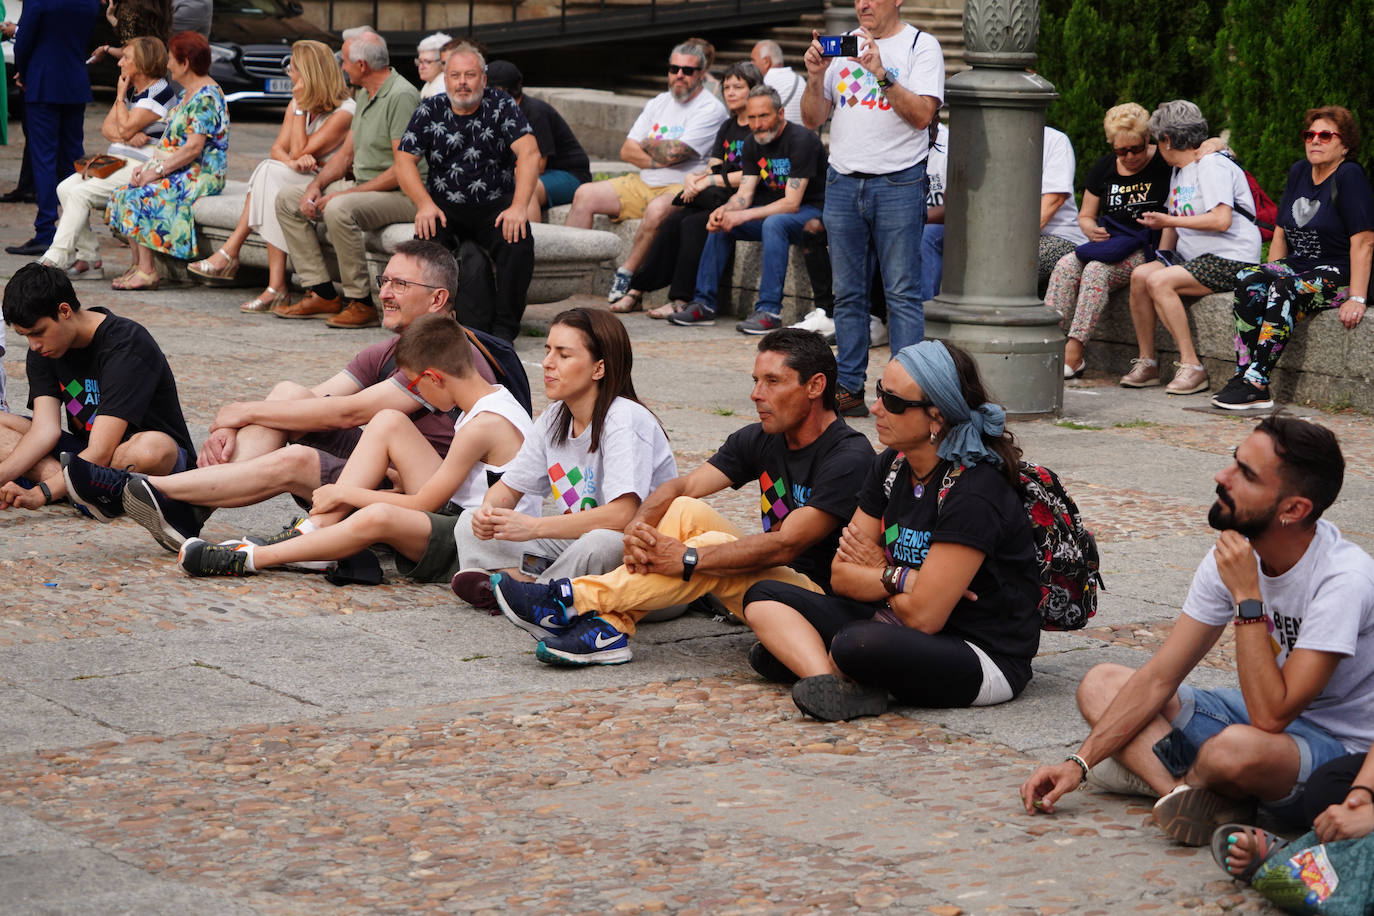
[
  {"x": 312, "y": 306},
  {"x": 356, "y": 314}
]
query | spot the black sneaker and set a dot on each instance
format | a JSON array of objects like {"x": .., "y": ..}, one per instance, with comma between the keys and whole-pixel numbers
[
  {"x": 759, "y": 323},
  {"x": 201, "y": 558},
  {"x": 768, "y": 666},
  {"x": 850, "y": 403},
  {"x": 693, "y": 314},
  {"x": 1241, "y": 395},
  {"x": 831, "y": 698},
  {"x": 95, "y": 489},
  {"x": 169, "y": 521}
]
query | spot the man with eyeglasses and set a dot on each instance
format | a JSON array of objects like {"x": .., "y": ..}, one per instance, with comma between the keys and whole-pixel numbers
[
  {"x": 678, "y": 549},
  {"x": 668, "y": 141},
  {"x": 298, "y": 438},
  {"x": 483, "y": 168}
]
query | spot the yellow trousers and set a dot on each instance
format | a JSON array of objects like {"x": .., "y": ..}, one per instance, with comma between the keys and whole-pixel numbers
[{"x": 622, "y": 598}]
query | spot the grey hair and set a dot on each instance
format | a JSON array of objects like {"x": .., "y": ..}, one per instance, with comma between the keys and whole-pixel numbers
[
  {"x": 771, "y": 51},
  {"x": 743, "y": 70},
  {"x": 691, "y": 49},
  {"x": 1181, "y": 123},
  {"x": 368, "y": 47},
  {"x": 767, "y": 92},
  {"x": 467, "y": 47},
  {"x": 434, "y": 42},
  {"x": 438, "y": 267}
]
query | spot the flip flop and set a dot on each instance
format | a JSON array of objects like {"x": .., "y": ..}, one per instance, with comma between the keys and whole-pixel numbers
[
  {"x": 630, "y": 302},
  {"x": 1265, "y": 845}
]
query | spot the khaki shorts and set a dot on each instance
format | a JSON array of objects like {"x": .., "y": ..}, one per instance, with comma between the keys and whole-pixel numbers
[
  {"x": 635, "y": 195},
  {"x": 440, "y": 560}
]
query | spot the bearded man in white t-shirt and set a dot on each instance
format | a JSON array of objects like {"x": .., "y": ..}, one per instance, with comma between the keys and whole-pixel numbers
[{"x": 1301, "y": 600}]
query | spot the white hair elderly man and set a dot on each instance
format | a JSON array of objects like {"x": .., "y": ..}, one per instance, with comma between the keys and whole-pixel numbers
[
  {"x": 350, "y": 208},
  {"x": 768, "y": 57}
]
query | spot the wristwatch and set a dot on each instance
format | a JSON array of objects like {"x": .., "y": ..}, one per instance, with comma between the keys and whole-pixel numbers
[
  {"x": 689, "y": 564},
  {"x": 1359, "y": 299},
  {"x": 883, "y": 81},
  {"x": 1249, "y": 611}
]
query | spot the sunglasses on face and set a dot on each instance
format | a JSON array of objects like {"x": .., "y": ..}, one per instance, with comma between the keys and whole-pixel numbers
[
  {"x": 398, "y": 284},
  {"x": 685, "y": 71},
  {"x": 1321, "y": 136},
  {"x": 896, "y": 404},
  {"x": 1124, "y": 151},
  {"x": 415, "y": 382}
]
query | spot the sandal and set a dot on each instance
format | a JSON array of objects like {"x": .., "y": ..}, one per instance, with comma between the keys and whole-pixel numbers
[
  {"x": 663, "y": 311},
  {"x": 205, "y": 268},
  {"x": 632, "y": 301},
  {"x": 1265, "y": 845},
  {"x": 136, "y": 279},
  {"x": 264, "y": 303}
]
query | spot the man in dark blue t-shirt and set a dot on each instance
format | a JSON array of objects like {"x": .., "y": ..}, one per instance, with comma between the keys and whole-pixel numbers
[
  {"x": 483, "y": 167},
  {"x": 807, "y": 462}
]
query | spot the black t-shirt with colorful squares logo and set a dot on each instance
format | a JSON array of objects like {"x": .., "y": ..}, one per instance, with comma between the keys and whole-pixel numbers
[
  {"x": 729, "y": 144},
  {"x": 820, "y": 476},
  {"x": 794, "y": 153},
  {"x": 983, "y": 511}
]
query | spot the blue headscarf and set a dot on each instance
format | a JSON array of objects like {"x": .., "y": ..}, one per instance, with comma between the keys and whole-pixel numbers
[{"x": 930, "y": 366}]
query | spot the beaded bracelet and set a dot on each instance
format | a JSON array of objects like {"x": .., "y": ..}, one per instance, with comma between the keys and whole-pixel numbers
[{"x": 1082, "y": 764}]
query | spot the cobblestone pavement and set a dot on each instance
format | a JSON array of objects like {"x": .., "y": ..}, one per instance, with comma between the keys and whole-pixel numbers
[{"x": 278, "y": 745}]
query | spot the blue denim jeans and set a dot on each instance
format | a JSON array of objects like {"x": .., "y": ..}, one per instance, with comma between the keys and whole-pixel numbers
[
  {"x": 932, "y": 260},
  {"x": 882, "y": 218},
  {"x": 778, "y": 233}
]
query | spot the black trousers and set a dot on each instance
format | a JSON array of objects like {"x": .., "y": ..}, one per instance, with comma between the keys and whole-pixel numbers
[
  {"x": 672, "y": 259},
  {"x": 511, "y": 263},
  {"x": 1329, "y": 784}
]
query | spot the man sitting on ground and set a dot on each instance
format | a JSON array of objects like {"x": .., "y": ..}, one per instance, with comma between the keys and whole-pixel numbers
[
  {"x": 783, "y": 187},
  {"x": 106, "y": 374},
  {"x": 669, "y": 140},
  {"x": 299, "y": 438},
  {"x": 677, "y": 548},
  {"x": 418, "y": 516},
  {"x": 1302, "y": 601}
]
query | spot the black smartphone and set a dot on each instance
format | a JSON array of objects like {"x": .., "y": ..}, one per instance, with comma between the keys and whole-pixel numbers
[
  {"x": 1176, "y": 752},
  {"x": 839, "y": 45}
]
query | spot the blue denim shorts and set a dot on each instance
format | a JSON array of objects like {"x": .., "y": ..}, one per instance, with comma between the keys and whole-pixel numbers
[{"x": 1204, "y": 713}]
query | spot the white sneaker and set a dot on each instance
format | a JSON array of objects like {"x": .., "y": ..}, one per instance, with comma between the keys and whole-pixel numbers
[
  {"x": 817, "y": 320},
  {"x": 877, "y": 332},
  {"x": 1110, "y": 776}
]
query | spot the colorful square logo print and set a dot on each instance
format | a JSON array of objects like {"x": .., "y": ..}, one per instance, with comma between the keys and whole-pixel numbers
[
  {"x": 564, "y": 485},
  {"x": 772, "y": 501},
  {"x": 852, "y": 85}
]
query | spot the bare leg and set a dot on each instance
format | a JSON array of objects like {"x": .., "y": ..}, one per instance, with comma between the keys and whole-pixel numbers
[
  {"x": 235, "y": 241},
  {"x": 1242, "y": 761},
  {"x": 1143, "y": 308},
  {"x": 404, "y": 529},
  {"x": 147, "y": 452},
  {"x": 1073, "y": 352},
  {"x": 390, "y": 440},
  {"x": 294, "y": 469},
  {"x": 538, "y": 200},
  {"x": 1167, "y": 287},
  {"x": 591, "y": 199},
  {"x": 654, "y": 215},
  {"x": 1096, "y": 692},
  {"x": 790, "y": 637},
  {"x": 255, "y": 441},
  {"x": 12, "y": 429}
]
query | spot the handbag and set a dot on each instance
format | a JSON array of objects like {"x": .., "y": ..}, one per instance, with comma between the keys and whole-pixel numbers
[
  {"x": 102, "y": 166},
  {"x": 707, "y": 199},
  {"x": 1126, "y": 237}
]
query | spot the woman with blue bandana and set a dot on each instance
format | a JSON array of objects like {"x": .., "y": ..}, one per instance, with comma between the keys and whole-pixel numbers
[{"x": 936, "y": 583}]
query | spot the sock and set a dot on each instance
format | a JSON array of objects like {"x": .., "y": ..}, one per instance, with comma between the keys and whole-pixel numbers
[{"x": 325, "y": 291}]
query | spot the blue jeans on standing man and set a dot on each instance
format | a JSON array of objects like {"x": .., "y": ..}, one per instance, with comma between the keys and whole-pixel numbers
[
  {"x": 778, "y": 232},
  {"x": 870, "y": 216}
]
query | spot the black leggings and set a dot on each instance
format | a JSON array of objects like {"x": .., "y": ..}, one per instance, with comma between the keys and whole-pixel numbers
[
  {"x": 917, "y": 668},
  {"x": 1329, "y": 784},
  {"x": 672, "y": 259}
]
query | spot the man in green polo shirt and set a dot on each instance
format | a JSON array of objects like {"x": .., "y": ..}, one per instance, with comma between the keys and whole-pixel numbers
[{"x": 350, "y": 208}]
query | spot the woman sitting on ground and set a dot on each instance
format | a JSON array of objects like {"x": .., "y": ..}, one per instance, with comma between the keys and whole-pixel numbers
[
  {"x": 672, "y": 259},
  {"x": 134, "y": 123},
  {"x": 595, "y": 447},
  {"x": 1121, "y": 185},
  {"x": 429, "y": 64},
  {"x": 313, "y": 127},
  {"x": 1204, "y": 244},
  {"x": 1319, "y": 258},
  {"x": 936, "y": 582},
  {"x": 153, "y": 211}
]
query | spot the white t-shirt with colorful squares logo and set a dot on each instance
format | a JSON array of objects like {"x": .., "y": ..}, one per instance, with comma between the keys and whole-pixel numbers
[
  {"x": 866, "y": 135},
  {"x": 634, "y": 458},
  {"x": 694, "y": 123}
]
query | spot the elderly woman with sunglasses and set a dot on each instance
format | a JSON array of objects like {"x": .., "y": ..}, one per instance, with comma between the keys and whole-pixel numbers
[
  {"x": 1121, "y": 185},
  {"x": 1319, "y": 257},
  {"x": 936, "y": 583}
]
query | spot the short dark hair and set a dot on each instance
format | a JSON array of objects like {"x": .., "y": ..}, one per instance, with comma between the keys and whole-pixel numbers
[
  {"x": 437, "y": 265},
  {"x": 35, "y": 291},
  {"x": 807, "y": 354},
  {"x": 435, "y": 342},
  {"x": 1344, "y": 121},
  {"x": 1310, "y": 459},
  {"x": 744, "y": 71},
  {"x": 192, "y": 49}
]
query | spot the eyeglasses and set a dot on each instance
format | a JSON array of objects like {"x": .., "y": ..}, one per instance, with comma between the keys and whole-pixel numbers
[
  {"x": 426, "y": 60},
  {"x": 399, "y": 284},
  {"x": 1124, "y": 151},
  {"x": 685, "y": 71},
  {"x": 1321, "y": 136},
  {"x": 896, "y": 404},
  {"x": 415, "y": 382}
]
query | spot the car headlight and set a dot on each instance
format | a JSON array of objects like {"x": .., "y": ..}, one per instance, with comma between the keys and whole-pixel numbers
[{"x": 222, "y": 54}]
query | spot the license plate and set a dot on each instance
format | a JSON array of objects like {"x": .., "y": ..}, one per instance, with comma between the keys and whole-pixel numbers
[{"x": 279, "y": 86}]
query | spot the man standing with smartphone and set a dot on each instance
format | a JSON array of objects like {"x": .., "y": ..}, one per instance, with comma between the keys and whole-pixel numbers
[{"x": 883, "y": 99}]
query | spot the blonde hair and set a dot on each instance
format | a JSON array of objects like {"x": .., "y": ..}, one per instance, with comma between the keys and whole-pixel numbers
[
  {"x": 320, "y": 74},
  {"x": 1129, "y": 118},
  {"x": 149, "y": 55}
]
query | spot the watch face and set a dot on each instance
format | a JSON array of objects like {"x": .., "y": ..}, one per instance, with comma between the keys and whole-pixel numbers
[{"x": 1250, "y": 610}]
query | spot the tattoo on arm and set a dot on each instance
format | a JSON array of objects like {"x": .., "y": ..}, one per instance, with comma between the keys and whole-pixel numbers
[
  {"x": 669, "y": 152},
  {"x": 794, "y": 183}
]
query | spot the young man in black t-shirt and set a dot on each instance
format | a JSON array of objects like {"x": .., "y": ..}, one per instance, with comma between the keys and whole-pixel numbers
[
  {"x": 104, "y": 373},
  {"x": 807, "y": 462}
]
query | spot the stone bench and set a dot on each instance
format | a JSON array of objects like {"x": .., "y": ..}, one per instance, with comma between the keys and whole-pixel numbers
[
  {"x": 1323, "y": 363},
  {"x": 567, "y": 262}
]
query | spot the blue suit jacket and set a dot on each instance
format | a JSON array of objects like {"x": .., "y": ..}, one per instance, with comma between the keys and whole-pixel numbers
[{"x": 50, "y": 50}]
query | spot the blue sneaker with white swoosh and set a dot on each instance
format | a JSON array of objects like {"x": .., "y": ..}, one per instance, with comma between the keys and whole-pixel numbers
[
  {"x": 589, "y": 640},
  {"x": 542, "y": 609}
]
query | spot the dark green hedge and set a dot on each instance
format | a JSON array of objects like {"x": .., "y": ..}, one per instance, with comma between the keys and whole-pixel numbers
[{"x": 1253, "y": 66}]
